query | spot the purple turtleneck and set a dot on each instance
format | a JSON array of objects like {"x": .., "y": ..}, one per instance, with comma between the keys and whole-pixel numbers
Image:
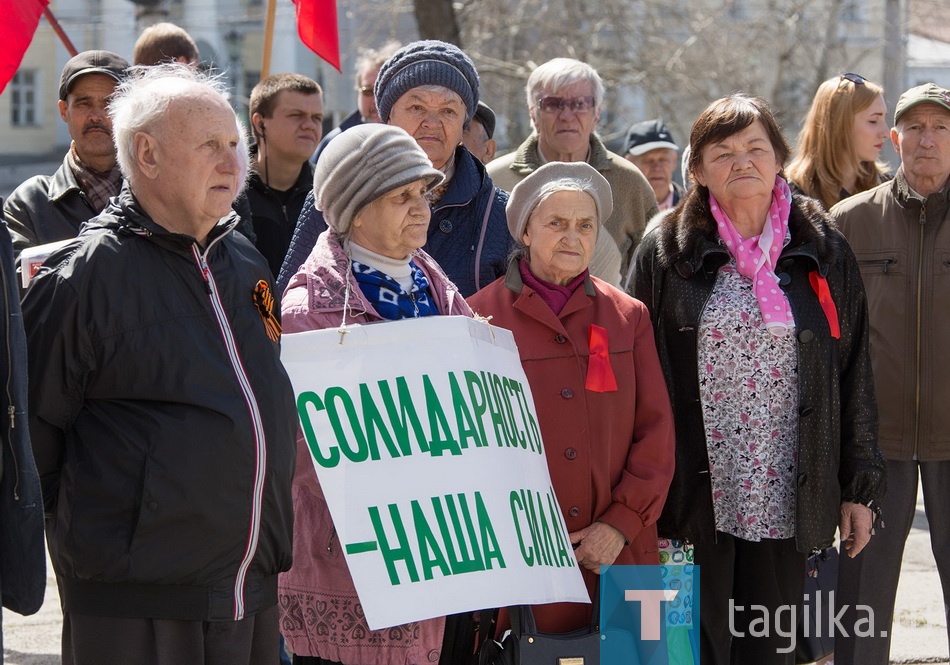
[{"x": 554, "y": 295}]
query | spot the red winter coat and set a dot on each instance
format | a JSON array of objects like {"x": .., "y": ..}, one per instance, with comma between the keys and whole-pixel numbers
[{"x": 610, "y": 454}]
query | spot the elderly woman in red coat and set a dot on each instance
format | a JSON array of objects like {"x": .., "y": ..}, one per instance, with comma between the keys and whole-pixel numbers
[{"x": 589, "y": 355}]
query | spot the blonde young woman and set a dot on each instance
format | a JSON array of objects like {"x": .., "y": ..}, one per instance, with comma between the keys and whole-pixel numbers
[{"x": 839, "y": 144}]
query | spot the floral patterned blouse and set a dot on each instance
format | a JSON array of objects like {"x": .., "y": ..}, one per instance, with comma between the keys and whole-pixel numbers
[{"x": 748, "y": 383}]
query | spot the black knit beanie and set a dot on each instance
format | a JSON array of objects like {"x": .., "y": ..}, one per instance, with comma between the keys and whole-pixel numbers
[{"x": 428, "y": 62}]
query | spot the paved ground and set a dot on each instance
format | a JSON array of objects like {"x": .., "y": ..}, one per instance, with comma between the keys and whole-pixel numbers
[{"x": 920, "y": 630}]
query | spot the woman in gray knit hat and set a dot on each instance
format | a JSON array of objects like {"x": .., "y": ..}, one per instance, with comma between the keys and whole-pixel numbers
[
  {"x": 588, "y": 352},
  {"x": 430, "y": 89},
  {"x": 370, "y": 183}
]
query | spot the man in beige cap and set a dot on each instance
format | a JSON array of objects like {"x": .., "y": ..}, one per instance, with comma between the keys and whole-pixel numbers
[
  {"x": 900, "y": 232},
  {"x": 45, "y": 209}
]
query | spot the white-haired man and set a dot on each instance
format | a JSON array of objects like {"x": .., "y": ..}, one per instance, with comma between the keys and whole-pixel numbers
[
  {"x": 565, "y": 97},
  {"x": 161, "y": 417}
]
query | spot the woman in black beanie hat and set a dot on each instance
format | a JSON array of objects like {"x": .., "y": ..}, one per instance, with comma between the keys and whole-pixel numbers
[{"x": 430, "y": 89}]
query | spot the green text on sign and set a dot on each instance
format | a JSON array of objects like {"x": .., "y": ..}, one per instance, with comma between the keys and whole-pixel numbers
[{"x": 384, "y": 419}]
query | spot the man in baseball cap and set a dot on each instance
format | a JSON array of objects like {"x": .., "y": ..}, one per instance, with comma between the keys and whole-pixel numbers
[
  {"x": 46, "y": 209},
  {"x": 899, "y": 232},
  {"x": 650, "y": 147},
  {"x": 478, "y": 137}
]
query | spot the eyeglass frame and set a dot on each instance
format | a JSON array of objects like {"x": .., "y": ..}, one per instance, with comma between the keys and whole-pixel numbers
[
  {"x": 366, "y": 90},
  {"x": 567, "y": 103},
  {"x": 856, "y": 79}
]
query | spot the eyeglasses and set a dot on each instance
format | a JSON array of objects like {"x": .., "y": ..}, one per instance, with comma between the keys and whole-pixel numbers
[
  {"x": 856, "y": 79},
  {"x": 366, "y": 90},
  {"x": 557, "y": 104}
]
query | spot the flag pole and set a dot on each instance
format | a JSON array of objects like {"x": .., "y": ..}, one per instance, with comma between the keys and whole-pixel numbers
[
  {"x": 58, "y": 29},
  {"x": 268, "y": 38}
]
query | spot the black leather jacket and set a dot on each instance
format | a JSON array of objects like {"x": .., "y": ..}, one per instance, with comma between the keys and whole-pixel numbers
[
  {"x": 838, "y": 455},
  {"x": 163, "y": 421},
  {"x": 45, "y": 209}
]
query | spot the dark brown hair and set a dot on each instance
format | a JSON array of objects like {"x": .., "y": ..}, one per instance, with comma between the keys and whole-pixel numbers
[{"x": 729, "y": 115}]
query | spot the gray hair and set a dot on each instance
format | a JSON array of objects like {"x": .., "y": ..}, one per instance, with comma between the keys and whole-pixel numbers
[
  {"x": 371, "y": 58},
  {"x": 141, "y": 100},
  {"x": 559, "y": 73}
]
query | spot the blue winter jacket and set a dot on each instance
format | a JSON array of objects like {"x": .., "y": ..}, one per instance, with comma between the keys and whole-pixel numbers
[{"x": 464, "y": 231}]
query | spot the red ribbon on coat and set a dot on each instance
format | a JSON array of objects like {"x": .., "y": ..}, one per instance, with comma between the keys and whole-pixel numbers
[
  {"x": 600, "y": 375},
  {"x": 820, "y": 285}
]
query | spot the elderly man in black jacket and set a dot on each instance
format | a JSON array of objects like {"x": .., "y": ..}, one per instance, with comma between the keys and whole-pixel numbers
[{"x": 163, "y": 422}]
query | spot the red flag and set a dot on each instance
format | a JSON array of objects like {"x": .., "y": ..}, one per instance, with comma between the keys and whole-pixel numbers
[
  {"x": 20, "y": 18},
  {"x": 317, "y": 27}
]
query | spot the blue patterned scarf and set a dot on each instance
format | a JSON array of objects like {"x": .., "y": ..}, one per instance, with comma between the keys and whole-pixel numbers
[{"x": 389, "y": 298}]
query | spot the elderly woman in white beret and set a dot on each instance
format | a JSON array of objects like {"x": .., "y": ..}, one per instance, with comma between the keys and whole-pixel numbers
[
  {"x": 588, "y": 352},
  {"x": 367, "y": 267}
]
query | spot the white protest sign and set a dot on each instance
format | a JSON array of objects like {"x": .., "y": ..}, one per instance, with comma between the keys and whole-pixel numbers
[{"x": 425, "y": 440}]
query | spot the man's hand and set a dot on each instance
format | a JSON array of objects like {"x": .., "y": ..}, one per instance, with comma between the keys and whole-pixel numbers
[
  {"x": 855, "y": 527},
  {"x": 599, "y": 545}
]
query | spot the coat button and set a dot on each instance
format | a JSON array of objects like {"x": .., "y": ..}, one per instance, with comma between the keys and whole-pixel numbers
[
  {"x": 806, "y": 336},
  {"x": 433, "y": 656},
  {"x": 152, "y": 505},
  {"x": 574, "y": 511},
  {"x": 560, "y": 339},
  {"x": 806, "y": 411},
  {"x": 802, "y": 477},
  {"x": 567, "y": 393},
  {"x": 445, "y": 226},
  {"x": 570, "y": 453},
  {"x": 784, "y": 279}
]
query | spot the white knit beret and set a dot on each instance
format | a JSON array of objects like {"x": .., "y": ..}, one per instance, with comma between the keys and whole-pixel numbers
[{"x": 527, "y": 193}]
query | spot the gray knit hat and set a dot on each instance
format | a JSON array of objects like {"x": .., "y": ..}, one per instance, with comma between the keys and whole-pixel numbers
[
  {"x": 428, "y": 62},
  {"x": 362, "y": 164},
  {"x": 551, "y": 178}
]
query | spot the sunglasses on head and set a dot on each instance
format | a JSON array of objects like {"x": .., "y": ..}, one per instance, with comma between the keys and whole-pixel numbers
[{"x": 856, "y": 79}]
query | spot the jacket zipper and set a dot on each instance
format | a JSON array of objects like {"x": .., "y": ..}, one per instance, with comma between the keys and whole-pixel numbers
[
  {"x": 922, "y": 221},
  {"x": 258, "y": 425}
]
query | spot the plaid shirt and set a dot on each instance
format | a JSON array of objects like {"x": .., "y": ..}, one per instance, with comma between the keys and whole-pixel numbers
[{"x": 98, "y": 187}]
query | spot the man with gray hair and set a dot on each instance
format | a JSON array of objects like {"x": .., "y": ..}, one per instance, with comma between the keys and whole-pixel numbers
[
  {"x": 367, "y": 69},
  {"x": 162, "y": 420},
  {"x": 565, "y": 99}
]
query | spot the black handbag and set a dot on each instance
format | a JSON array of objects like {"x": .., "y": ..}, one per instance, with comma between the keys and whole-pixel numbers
[
  {"x": 524, "y": 645},
  {"x": 821, "y": 578}
]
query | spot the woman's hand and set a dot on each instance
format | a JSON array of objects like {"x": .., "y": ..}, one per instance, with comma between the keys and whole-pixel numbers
[
  {"x": 597, "y": 545},
  {"x": 855, "y": 527}
]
